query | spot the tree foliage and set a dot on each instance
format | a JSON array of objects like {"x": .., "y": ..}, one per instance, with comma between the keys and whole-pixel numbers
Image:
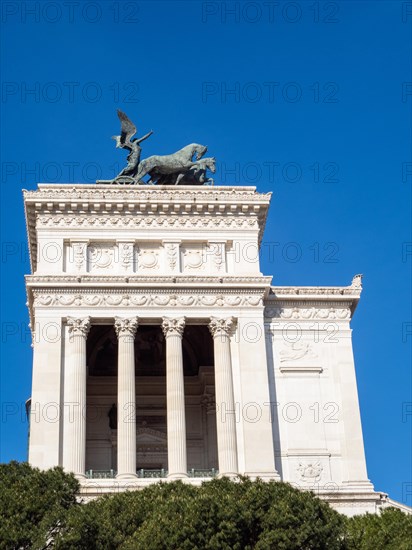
[
  {"x": 391, "y": 529},
  {"x": 220, "y": 515},
  {"x": 32, "y": 504},
  {"x": 39, "y": 510}
]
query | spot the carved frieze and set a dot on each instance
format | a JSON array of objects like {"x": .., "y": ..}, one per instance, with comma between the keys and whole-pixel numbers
[
  {"x": 303, "y": 313},
  {"x": 141, "y": 298},
  {"x": 122, "y": 221}
]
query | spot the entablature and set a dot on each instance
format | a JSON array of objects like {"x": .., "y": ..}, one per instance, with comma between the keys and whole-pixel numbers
[
  {"x": 105, "y": 294},
  {"x": 87, "y": 281},
  {"x": 97, "y": 206},
  {"x": 305, "y": 303}
]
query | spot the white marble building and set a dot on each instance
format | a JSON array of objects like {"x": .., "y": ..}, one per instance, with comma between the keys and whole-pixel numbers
[{"x": 161, "y": 350}]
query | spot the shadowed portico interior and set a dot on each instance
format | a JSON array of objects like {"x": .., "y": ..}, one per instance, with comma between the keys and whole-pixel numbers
[{"x": 151, "y": 407}]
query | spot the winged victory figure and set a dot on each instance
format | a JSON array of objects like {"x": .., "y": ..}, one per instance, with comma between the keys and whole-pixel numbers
[{"x": 125, "y": 141}]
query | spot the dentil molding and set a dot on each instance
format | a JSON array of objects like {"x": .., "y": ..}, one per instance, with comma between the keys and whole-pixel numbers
[
  {"x": 86, "y": 278},
  {"x": 159, "y": 193}
]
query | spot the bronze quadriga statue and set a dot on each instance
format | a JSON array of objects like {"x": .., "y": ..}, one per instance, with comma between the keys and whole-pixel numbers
[{"x": 185, "y": 167}]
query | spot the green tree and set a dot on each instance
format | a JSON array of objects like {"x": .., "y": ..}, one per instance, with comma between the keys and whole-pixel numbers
[
  {"x": 38, "y": 509},
  {"x": 33, "y": 504},
  {"x": 391, "y": 530},
  {"x": 221, "y": 514}
]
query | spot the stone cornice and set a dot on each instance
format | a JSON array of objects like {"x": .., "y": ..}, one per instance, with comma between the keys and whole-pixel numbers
[
  {"x": 316, "y": 292},
  {"x": 97, "y": 281},
  {"x": 83, "y": 191},
  {"x": 97, "y": 205},
  {"x": 287, "y": 298},
  {"x": 304, "y": 303}
]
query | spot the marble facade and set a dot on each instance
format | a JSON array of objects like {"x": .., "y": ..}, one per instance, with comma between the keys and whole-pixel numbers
[{"x": 160, "y": 350}]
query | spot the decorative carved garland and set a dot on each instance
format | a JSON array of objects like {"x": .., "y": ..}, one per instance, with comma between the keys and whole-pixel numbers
[
  {"x": 93, "y": 221},
  {"x": 140, "y": 299},
  {"x": 303, "y": 313}
]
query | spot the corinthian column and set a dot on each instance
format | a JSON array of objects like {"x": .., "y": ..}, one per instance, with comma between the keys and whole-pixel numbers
[
  {"x": 175, "y": 392},
  {"x": 74, "y": 428},
  {"x": 126, "y": 398},
  {"x": 225, "y": 403}
]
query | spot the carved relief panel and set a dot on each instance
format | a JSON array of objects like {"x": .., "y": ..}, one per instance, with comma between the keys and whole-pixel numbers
[
  {"x": 75, "y": 257},
  {"x": 102, "y": 258},
  {"x": 126, "y": 257},
  {"x": 148, "y": 259},
  {"x": 310, "y": 469},
  {"x": 298, "y": 357},
  {"x": 171, "y": 251},
  {"x": 194, "y": 258},
  {"x": 216, "y": 252}
]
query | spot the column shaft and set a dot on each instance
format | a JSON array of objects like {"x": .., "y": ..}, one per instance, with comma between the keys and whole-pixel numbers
[
  {"x": 74, "y": 456},
  {"x": 126, "y": 399},
  {"x": 209, "y": 410},
  {"x": 175, "y": 392},
  {"x": 225, "y": 402}
]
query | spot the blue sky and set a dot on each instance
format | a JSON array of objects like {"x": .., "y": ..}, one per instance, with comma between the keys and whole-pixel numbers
[{"x": 309, "y": 100}]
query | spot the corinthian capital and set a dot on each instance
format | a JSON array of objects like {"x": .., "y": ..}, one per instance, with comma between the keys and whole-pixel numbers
[
  {"x": 221, "y": 326},
  {"x": 173, "y": 327},
  {"x": 78, "y": 327},
  {"x": 125, "y": 327}
]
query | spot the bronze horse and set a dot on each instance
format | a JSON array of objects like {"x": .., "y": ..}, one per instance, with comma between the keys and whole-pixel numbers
[{"x": 177, "y": 164}]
